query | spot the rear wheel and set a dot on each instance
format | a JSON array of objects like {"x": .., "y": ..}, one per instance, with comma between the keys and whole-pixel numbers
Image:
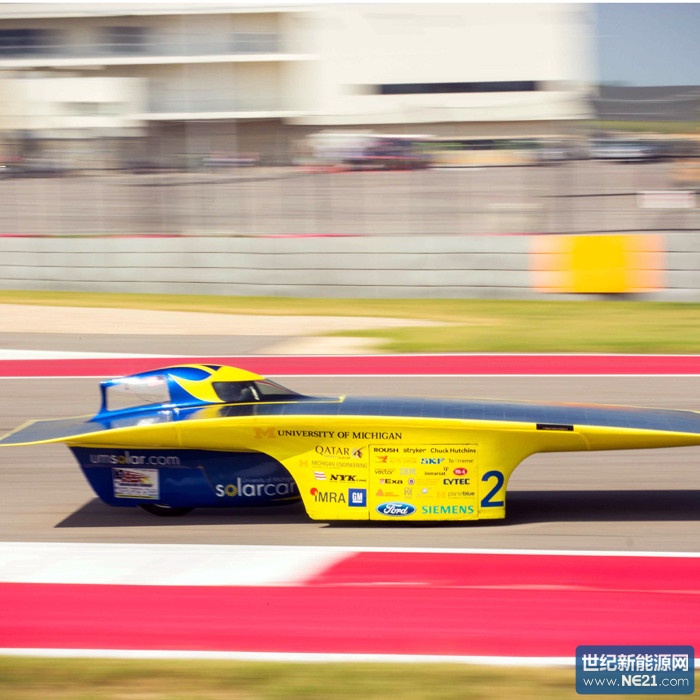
[{"x": 163, "y": 510}]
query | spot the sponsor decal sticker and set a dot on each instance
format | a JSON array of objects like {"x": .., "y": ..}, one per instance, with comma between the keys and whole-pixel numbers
[
  {"x": 135, "y": 483},
  {"x": 328, "y": 496},
  {"x": 357, "y": 498},
  {"x": 332, "y": 451},
  {"x": 447, "y": 510},
  {"x": 135, "y": 460},
  {"x": 396, "y": 509},
  {"x": 256, "y": 488}
]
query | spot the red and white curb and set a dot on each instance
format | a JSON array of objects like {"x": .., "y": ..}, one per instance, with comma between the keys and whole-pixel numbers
[{"x": 525, "y": 608}]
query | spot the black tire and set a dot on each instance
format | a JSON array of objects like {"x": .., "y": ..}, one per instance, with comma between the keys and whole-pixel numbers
[{"x": 163, "y": 510}]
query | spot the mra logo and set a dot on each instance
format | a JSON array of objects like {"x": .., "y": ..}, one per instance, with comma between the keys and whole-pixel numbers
[{"x": 327, "y": 496}]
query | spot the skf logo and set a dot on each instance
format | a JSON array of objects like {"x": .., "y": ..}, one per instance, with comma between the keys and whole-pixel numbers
[
  {"x": 343, "y": 477},
  {"x": 265, "y": 433},
  {"x": 432, "y": 460}
]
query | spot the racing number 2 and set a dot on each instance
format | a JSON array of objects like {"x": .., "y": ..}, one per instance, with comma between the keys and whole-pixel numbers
[{"x": 487, "y": 501}]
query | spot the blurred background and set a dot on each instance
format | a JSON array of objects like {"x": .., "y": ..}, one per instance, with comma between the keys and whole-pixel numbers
[{"x": 256, "y": 119}]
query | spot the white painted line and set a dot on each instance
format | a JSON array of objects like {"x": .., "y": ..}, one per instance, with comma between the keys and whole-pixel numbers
[
  {"x": 297, "y": 657},
  {"x": 14, "y": 354},
  {"x": 162, "y": 565},
  {"x": 526, "y": 552}
]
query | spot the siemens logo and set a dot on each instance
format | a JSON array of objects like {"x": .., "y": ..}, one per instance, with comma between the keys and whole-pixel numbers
[{"x": 448, "y": 510}]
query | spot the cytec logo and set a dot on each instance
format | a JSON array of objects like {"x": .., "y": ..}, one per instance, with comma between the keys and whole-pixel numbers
[{"x": 396, "y": 510}]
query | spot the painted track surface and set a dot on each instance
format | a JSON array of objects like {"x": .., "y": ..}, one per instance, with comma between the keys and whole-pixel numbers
[
  {"x": 602, "y": 501},
  {"x": 378, "y": 603}
]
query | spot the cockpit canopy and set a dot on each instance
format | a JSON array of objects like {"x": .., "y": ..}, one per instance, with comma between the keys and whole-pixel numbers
[{"x": 188, "y": 386}]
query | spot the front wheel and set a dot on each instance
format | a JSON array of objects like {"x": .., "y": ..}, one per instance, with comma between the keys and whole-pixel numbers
[{"x": 163, "y": 510}]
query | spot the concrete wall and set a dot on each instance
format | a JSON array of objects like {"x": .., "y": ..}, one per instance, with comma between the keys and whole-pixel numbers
[{"x": 335, "y": 267}]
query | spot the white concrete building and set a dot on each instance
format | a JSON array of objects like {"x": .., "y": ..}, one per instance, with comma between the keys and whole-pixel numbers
[
  {"x": 201, "y": 78},
  {"x": 450, "y": 63}
]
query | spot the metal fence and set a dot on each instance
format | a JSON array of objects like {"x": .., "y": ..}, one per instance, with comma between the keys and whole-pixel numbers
[{"x": 208, "y": 199}]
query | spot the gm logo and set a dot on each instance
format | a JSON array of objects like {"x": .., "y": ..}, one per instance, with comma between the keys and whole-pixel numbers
[
  {"x": 396, "y": 510},
  {"x": 357, "y": 497}
]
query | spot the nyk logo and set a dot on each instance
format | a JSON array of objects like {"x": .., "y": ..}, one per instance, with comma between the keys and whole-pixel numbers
[{"x": 343, "y": 477}]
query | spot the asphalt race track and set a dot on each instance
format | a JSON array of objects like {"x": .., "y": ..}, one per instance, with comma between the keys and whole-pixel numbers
[{"x": 645, "y": 501}]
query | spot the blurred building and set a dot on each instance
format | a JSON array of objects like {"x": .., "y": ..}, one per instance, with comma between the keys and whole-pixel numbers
[{"x": 162, "y": 84}]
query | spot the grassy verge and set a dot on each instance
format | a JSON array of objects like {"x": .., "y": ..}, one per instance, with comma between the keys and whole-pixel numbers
[
  {"x": 464, "y": 325},
  {"x": 84, "y": 679}
]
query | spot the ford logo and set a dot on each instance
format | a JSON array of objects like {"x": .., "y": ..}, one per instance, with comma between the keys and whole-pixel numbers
[{"x": 396, "y": 510}]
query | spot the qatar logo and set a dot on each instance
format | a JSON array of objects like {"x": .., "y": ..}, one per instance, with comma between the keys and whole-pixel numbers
[{"x": 396, "y": 510}]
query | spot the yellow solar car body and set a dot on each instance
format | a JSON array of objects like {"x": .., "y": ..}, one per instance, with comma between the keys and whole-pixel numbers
[{"x": 191, "y": 436}]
